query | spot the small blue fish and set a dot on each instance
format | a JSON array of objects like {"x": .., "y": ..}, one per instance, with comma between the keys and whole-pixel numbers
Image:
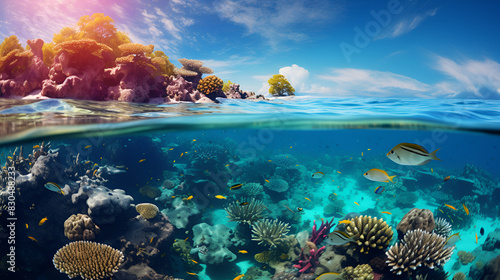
[
  {"x": 54, "y": 187},
  {"x": 379, "y": 190}
]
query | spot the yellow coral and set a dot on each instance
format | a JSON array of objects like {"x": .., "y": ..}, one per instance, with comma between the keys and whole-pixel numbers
[
  {"x": 135, "y": 48},
  {"x": 82, "y": 46},
  {"x": 360, "y": 272},
  {"x": 263, "y": 257},
  {"x": 210, "y": 84},
  {"x": 15, "y": 61},
  {"x": 125, "y": 59},
  {"x": 369, "y": 233},
  {"x": 147, "y": 210}
]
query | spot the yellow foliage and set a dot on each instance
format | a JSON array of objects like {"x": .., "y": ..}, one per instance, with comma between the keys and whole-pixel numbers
[
  {"x": 15, "y": 62},
  {"x": 226, "y": 86},
  {"x": 82, "y": 46},
  {"x": 280, "y": 86},
  {"x": 9, "y": 44},
  {"x": 162, "y": 63}
]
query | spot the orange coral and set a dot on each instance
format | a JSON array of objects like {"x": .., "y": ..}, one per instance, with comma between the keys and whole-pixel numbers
[
  {"x": 82, "y": 46},
  {"x": 135, "y": 48},
  {"x": 210, "y": 84}
]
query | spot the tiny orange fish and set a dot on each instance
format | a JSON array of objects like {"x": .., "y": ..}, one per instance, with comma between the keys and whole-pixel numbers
[
  {"x": 142, "y": 160},
  {"x": 189, "y": 197},
  {"x": 26, "y": 225},
  {"x": 151, "y": 241},
  {"x": 42, "y": 221},
  {"x": 32, "y": 238},
  {"x": 356, "y": 203},
  {"x": 386, "y": 212},
  {"x": 95, "y": 171},
  {"x": 361, "y": 153},
  {"x": 36, "y": 146},
  {"x": 242, "y": 251},
  {"x": 170, "y": 149},
  {"x": 476, "y": 238},
  {"x": 267, "y": 181},
  {"x": 446, "y": 178},
  {"x": 186, "y": 239},
  {"x": 191, "y": 273},
  {"x": 451, "y": 207},
  {"x": 307, "y": 199},
  {"x": 194, "y": 140},
  {"x": 466, "y": 209},
  {"x": 239, "y": 277},
  {"x": 270, "y": 160},
  {"x": 345, "y": 222},
  {"x": 194, "y": 261},
  {"x": 181, "y": 155},
  {"x": 88, "y": 146}
]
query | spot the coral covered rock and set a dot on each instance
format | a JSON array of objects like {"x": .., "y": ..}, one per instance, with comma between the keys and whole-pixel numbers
[
  {"x": 492, "y": 270},
  {"x": 492, "y": 242},
  {"x": 21, "y": 72},
  {"x": 277, "y": 185},
  {"x": 211, "y": 243},
  {"x": 210, "y": 84},
  {"x": 416, "y": 219},
  {"x": 80, "y": 227},
  {"x": 179, "y": 89},
  {"x": 180, "y": 213},
  {"x": 369, "y": 233},
  {"x": 419, "y": 248},
  {"x": 89, "y": 260},
  {"x": 360, "y": 272}
]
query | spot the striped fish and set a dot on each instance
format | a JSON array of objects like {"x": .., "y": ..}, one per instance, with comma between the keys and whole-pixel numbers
[
  {"x": 338, "y": 238},
  {"x": 411, "y": 154}
]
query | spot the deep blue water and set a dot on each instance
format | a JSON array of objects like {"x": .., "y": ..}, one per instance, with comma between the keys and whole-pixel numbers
[{"x": 204, "y": 149}]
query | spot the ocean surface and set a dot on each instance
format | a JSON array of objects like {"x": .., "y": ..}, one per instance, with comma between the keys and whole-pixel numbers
[{"x": 303, "y": 159}]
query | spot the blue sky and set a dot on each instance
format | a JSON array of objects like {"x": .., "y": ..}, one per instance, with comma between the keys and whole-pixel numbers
[{"x": 342, "y": 48}]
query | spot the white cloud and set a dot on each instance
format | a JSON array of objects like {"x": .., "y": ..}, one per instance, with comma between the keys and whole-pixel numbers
[
  {"x": 363, "y": 82},
  {"x": 277, "y": 20},
  {"x": 469, "y": 78},
  {"x": 406, "y": 25},
  {"x": 296, "y": 75}
]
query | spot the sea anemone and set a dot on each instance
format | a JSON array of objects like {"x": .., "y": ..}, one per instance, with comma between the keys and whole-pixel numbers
[
  {"x": 267, "y": 232},
  {"x": 245, "y": 213}
]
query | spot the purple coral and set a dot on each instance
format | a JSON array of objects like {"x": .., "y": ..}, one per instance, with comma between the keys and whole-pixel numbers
[{"x": 311, "y": 261}]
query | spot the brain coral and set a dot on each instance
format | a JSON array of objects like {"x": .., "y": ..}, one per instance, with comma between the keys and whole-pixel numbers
[
  {"x": 89, "y": 260},
  {"x": 80, "y": 227},
  {"x": 210, "y": 84},
  {"x": 277, "y": 185},
  {"x": 418, "y": 248},
  {"x": 369, "y": 233},
  {"x": 416, "y": 219},
  {"x": 147, "y": 210}
]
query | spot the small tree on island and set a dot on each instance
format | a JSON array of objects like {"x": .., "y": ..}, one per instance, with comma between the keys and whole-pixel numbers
[{"x": 279, "y": 86}]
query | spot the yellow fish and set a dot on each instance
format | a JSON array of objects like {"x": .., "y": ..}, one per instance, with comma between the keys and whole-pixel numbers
[
  {"x": 173, "y": 196},
  {"x": 339, "y": 172},
  {"x": 466, "y": 209},
  {"x": 242, "y": 251},
  {"x": 142, "y": 160},
  {"x": 291, "y": 147},
  {"x": 36, "y": 146},
  {"x": 411, "y": 154},
  {"x": 88, "y": 146},
  {"x": 194, "y": 260},
  {"x": 356, "y": 203},
  {"x": 368, "y": 149},
  {"x": 270, "y": 160},
  {"x": 327, "y": 276},
  {"x": 26, "y": 225},
  {"x": 181, "y": 155},
  {"x": 345, "y": 222},
  {"x": 476, "y": 237},
  {"x": 267, "y": 181},
  {"x": 451, "y": 207},
  {"x": 432, "y": 170},
  {"x": 170, "y": 149},
  {"x": 151, "y": 241},
  {"x": 239, "y": 277},
  {"x": 386, "y": 212},
  {"x": 194, "y": 140},
  {"x": 307, "y": 199},
  {"x": 220, "y": 196},
  {"x": 95, "y": 171},
  {"x": 42, "y": 221},
  {"x": 378, "y": 175},
  {"x": 334, "y": 193},
  {"x": 32, "y": 238},
  {"x": 227, "y": 165},
  {"x": 186, "y": 239},
  {"x": 189, "y": 197},
  {"x": 361, "y": 153},
  {"x": 191, "y": 273},
  {"x": 441, "y": 211}
]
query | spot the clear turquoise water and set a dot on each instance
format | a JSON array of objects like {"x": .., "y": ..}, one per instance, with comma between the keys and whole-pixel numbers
[{"x": 341, "y": 137}]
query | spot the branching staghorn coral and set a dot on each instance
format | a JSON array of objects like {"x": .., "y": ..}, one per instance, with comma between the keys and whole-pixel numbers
[
  {"x": 210, "y": 84},
  {"x": 442, "y": 227},
  {"x": 419, "y": 248},
  {"x": 247, "y": 213},
  {"x": 268, "y": 232},
  {"x": 89, "y": 260},
  {"x": 369, "y": 233}
]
